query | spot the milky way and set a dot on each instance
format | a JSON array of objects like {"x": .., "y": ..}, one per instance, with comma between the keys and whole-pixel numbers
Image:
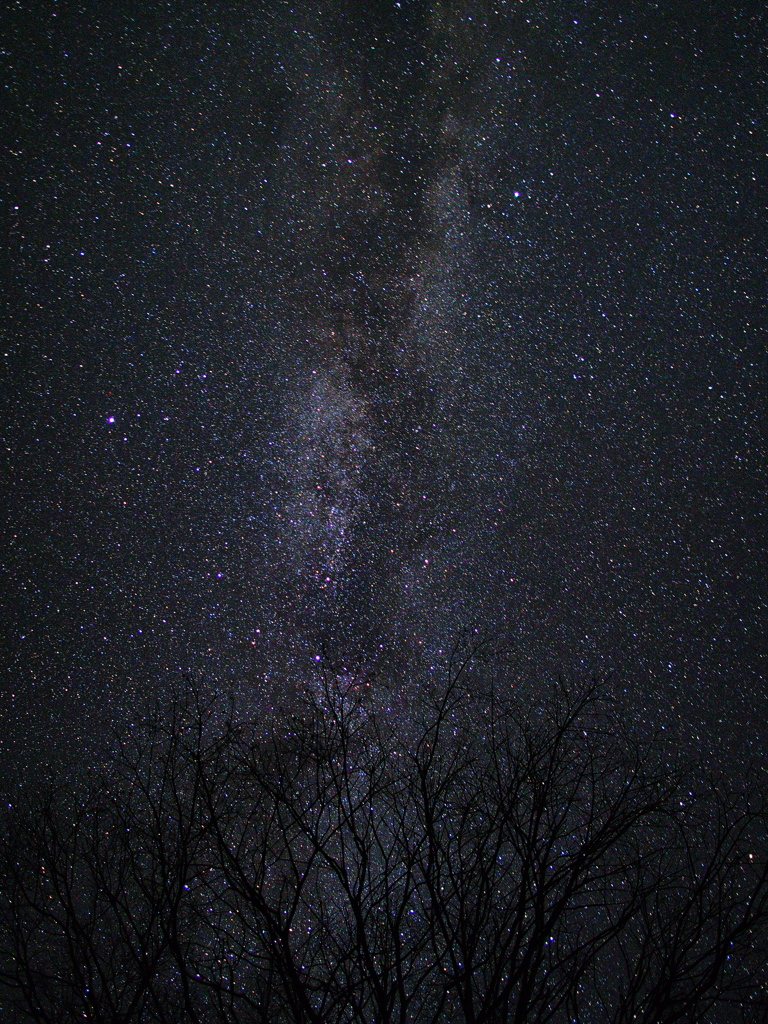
[{"x": 345, "y": 328}]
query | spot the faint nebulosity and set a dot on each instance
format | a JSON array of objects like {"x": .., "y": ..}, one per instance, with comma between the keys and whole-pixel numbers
[{"x": 341, "y": 327}]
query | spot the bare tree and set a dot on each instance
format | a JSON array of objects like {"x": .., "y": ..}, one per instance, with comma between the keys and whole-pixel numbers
[
  {"x": 96, "y": 889},
  {"x": 482, "y": 858}
]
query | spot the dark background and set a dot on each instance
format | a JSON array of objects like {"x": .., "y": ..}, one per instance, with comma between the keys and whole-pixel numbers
[{"x": 340, "y": 327}]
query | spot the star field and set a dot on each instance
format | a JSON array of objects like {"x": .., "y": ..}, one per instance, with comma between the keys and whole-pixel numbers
[{"x": 346, "y": 326}]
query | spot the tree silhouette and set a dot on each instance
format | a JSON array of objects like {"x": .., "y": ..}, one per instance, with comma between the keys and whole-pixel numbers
[{"x": 480, "y": 858}]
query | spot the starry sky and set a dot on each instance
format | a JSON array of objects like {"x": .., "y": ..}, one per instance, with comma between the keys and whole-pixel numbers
[{"x": 343, "y": 326}]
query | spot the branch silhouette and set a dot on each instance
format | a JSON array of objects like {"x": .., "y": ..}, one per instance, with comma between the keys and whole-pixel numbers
[{"x": 481, "y": 858}]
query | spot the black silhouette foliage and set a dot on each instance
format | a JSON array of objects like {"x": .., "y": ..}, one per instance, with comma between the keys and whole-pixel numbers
[{"x": 477, "y": 857}]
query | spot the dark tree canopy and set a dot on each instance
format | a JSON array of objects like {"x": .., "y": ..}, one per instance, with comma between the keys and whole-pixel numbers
[{"x": 476, "y": 857}]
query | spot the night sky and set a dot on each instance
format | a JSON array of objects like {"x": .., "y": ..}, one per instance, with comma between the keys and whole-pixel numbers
[{"x": 344, "y": 326}]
